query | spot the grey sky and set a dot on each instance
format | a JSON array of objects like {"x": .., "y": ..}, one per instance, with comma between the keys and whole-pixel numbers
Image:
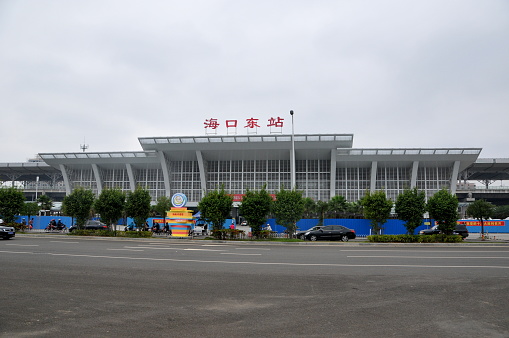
[{"x": 394, "y": 73}]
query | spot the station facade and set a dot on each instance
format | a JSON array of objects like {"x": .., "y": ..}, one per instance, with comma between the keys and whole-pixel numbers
[{"x": 320, "y": 165}]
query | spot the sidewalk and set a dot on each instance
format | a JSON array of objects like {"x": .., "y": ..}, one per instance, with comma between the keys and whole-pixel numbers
[{"x": 492, "y": 237}]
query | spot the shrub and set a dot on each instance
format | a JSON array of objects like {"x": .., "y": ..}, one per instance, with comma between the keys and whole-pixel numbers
[
  {"x": 227, "y": 234},
  {"x": 134, "y": 234},
  {"x": 16, "y": 226},
  {"x": 440, "y": 238}
]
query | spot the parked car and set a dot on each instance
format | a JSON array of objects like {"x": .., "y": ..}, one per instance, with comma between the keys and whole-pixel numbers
[
  {"x": 91, "y": 225},
  {"x": 460, "y": 229},
  {"x": 331, "y": 232},
  {"x": 7, "y": 232},
  {"x": 302, "y": 234}
]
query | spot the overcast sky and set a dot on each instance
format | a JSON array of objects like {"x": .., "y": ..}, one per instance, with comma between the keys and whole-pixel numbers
[{"x": 396, "y": 74}]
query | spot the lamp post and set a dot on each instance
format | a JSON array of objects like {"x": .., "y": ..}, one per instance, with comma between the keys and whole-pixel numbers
[
  {"x": 292, "y": 163},
  {"x": 36, "y": 187}
]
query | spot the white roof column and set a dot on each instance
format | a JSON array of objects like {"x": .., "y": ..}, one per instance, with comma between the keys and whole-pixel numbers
[
  {"x": 166, "y": 172},
  {"x": 454, "y": 176},
  {"x": 413, "y": 179},
  {"x": 66, "y": 179},
  {"x": 203, "y": 173},
  {"x": 130, "y": 174},
  {"x": 374, "y": 167},
  {"x": 333, "y": 157},
  {"x": 98, "y": 178}
]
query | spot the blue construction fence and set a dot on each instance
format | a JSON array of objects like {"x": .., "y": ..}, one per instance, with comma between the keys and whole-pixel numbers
[{"x": 361, "y": 226}]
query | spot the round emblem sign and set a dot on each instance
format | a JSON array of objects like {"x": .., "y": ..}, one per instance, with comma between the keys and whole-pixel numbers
[{"x": 179, "y": 200}]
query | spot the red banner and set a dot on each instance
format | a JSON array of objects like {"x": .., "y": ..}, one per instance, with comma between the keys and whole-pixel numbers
[
  {"x": 239, "y": 197},
  {"x": 486, "y": 223}
]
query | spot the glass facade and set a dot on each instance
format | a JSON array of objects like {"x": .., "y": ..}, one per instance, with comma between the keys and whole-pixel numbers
[
  {"x": 352, "y": 181},
  {"x": 152, "y": 180},
  {"x": 83, "y": 177},
  {"x": 239, "y": 175},
  {"x": 393, "y": 178},
  {"x": 313, "y": 177},
  {"x": 115, "y": 179},
  {"x": 185, "y": 178},
  {"x": 431, "y": 179}
]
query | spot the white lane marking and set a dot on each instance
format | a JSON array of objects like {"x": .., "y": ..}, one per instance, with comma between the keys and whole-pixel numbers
[
  {"x": 124, "y": 250},
  {"x": 424, "y": 257},
  {"x": 23, "y": 244},
  {"x": 169, "y": 248},
  {"x": 149, "y": 247},
  {"x": 268, "y": 263},
  {"x": 215, "y": 245},
  {"x": 252, "y": 249},
  {"x": 240, "y": 254},
  {"x": 189, "y": 249},
  {"x": 64, "y": 242},
  {"x": 162, "y": 243}
]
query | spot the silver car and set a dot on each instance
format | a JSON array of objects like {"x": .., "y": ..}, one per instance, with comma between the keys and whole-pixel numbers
[{"x": 7, "y": 232}]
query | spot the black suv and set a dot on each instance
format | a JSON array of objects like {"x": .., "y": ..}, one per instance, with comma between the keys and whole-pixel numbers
[{"x": 460, "y": 229}]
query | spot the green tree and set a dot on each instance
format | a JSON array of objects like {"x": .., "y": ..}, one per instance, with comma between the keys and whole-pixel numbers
[
  {"x": 215, "y": 207},
  {"x": 481, "y": 210},
  {"x": 322, "y": 208},
  {"x": 377, "y": 208},
  {"x": 12, "y": 201},
  {"x": 337, "y": 205},
  {"x": 410, "y": 207},
  {"x": 110, "y": 205},
  {"x": 138, "y": 206},
  {"x": 45, "y": 202},
  {"x": 309, "y": 207},
  {"x": 354, "y": 209},
  {"x": 501, "y": 212},
  {"x": 443, "y": 208},
  {"x": 255, "y": 208},
  {"x": 288, "y": 208},
  {"x": 163, "y": 205},
  {"x": 78, "y": 205}
]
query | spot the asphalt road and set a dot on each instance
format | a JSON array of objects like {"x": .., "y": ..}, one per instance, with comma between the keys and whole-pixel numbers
[{"x": 62, "y": 286}]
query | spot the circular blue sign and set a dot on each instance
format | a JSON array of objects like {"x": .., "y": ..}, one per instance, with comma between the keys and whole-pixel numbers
[{"x": 179, "y": 200}]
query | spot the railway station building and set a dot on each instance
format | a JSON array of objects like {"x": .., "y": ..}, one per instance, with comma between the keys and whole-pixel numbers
[{"x": 324, "y": 165}]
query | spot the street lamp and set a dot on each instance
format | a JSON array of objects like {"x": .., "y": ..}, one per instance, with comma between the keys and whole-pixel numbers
[
  {"x": 36, "y": 187},
  {"x": 292, "y": 164}
]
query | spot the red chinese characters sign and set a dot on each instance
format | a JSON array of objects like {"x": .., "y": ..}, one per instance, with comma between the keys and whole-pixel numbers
[
  {"x": 478, "y": 223},
  {"x": 239, "y": 197},
  {"x": 251, "y": 124},
  {"x": 211, "y": 123}
]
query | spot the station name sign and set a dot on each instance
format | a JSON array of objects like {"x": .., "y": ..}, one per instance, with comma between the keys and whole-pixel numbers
[{"x": 252, "y": 124}]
